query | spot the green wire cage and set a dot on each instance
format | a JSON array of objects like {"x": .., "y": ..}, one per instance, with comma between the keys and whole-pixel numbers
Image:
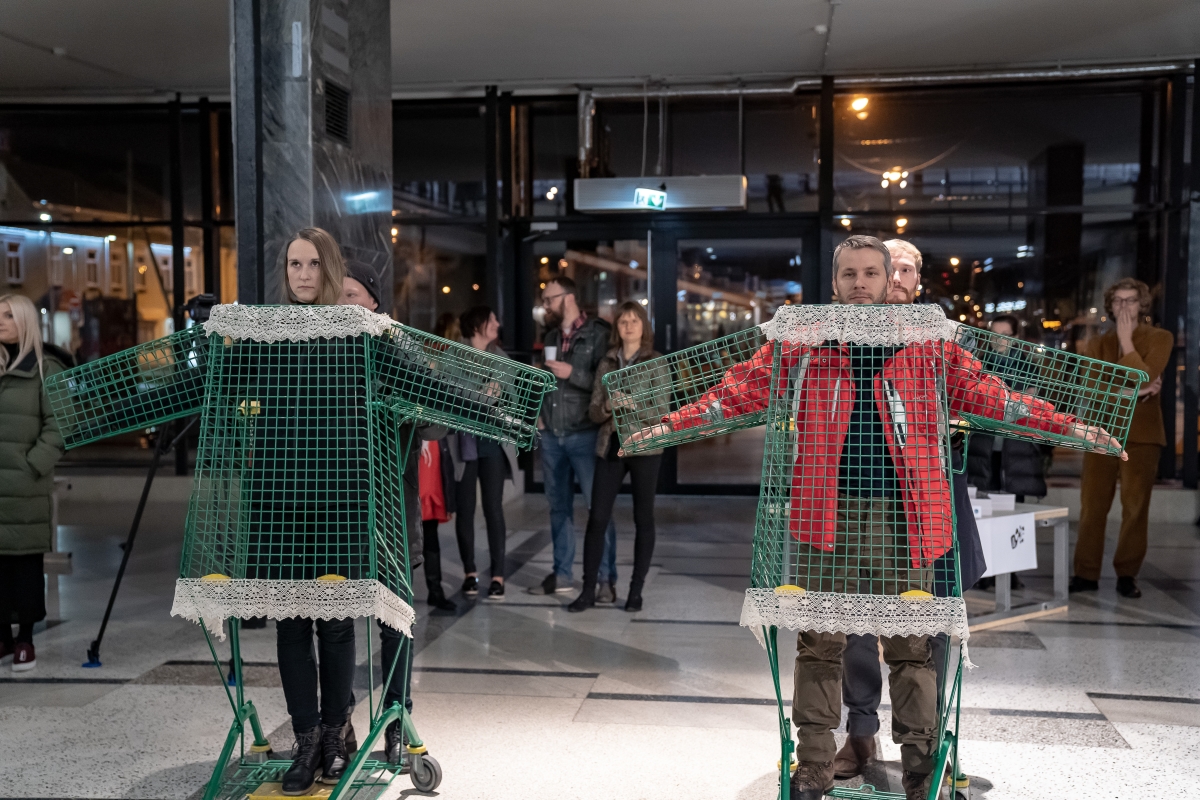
[
  {"x": 308, "y": 415},
  {"x": 855, "y": 527}
]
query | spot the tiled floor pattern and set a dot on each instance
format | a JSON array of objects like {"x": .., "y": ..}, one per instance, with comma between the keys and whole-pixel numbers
[{"x": 522, "y": 700}]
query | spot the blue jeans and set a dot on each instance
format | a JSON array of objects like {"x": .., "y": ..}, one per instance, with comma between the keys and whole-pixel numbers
[{"x": 565, "y": 459}]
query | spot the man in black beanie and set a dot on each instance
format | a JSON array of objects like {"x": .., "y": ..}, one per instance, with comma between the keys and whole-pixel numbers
[{"x": 360, "y": 287}]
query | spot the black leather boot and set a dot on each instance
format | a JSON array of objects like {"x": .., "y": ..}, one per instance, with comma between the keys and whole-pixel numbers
[
  {"x": 307, "y": 759},
  {"x": 634, "y": 601},
  {"x": 393, "y": 742},
  {"x": 586, "y": 599},
  {"x": 337, "y": 743}
]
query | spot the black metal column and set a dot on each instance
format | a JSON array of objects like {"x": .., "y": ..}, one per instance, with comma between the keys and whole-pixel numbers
[
  {"x": 1191, "y": 372},
  {"x": 246, "y": 34},
  {"x": 1175, "y": 280},
  {"x": 212, "y": 239},
  {"x": 178, "y": 287},
  {"x": 491, "y": 278},
  {"x": 823, "y": 272}
]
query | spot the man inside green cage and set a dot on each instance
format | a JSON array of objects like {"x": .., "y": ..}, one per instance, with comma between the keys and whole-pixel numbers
[{"x": 871, "y": 505}]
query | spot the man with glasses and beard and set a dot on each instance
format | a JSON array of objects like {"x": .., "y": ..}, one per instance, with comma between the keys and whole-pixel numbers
[{"x": 574, "y": 344}]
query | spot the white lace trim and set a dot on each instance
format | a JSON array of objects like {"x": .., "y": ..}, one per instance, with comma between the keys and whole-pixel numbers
[
  {"x": 294, "y": 323},
  {"x": 867, "y": 325},
  {"x": 833, "y": 612},
  {"x": 214, "y": 601}
]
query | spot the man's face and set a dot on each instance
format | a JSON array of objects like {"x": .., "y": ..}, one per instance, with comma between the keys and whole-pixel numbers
[
  {"x": 906, "y": 277},
  {"x": 861, "y": 278},
  {"x": 554, "y": 299},
  {"x": 355, "y": 294}
]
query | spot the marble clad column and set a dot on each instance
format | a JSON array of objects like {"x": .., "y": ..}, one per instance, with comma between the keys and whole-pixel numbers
[{"x": 312, "y": 114}]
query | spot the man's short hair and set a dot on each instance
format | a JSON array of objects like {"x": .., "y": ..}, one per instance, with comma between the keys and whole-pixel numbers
[
  {"x": 908, "y": 248},
  {"x": 564, "y": 283},
  {"x": 861, "y": 242},
  {"x": 1011, "y": 321},
  {"x": 1143, "y": 292}
]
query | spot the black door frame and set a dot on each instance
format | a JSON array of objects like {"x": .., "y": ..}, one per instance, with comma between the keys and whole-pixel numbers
[{"x": 666, "y": 230}]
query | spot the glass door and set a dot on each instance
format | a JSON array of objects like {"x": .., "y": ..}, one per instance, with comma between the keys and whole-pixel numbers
[
  {"x": 607, "y": 272},
  {"x": 723, "y": 286}
]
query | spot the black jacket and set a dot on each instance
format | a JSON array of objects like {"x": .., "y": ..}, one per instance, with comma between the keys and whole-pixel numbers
[
  {"x": 565, "y": 410},
  {"x": 1021, "y": 466}
]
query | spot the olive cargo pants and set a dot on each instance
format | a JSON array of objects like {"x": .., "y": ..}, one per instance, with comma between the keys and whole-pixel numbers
[{"x": 871, "y": 556}]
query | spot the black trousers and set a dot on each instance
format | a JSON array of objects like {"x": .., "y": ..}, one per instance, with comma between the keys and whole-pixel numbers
[
  {"x": 490, "y": 472},
  {"x": 22, "y": 594},
  {"x": 606, "y": 484},
  {"x": 433, "y": 555},
  {"x": 399, "y": 688},
  {"x": 299, "y": 672}
]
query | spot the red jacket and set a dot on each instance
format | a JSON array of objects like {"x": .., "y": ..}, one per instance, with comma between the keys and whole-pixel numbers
[{"x": 817, "y": 384}]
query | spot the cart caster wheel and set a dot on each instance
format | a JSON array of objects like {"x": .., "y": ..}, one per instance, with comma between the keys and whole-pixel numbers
[{"x": 426, "y": 773}]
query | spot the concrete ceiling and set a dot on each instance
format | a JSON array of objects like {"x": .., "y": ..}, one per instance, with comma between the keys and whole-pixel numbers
[{"x": 148, "y": 47}]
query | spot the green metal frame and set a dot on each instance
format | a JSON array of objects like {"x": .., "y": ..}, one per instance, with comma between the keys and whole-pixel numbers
[
  {"x": 300, "y": 474},
  {"x": 1002, "y": 386}
]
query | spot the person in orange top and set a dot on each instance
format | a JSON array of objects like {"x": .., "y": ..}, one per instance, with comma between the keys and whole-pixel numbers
[{"x": 1132, "y": 343}]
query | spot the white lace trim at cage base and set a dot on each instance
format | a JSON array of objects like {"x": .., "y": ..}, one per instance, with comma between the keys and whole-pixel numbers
[
  {"x": 214, "y": 601},
  {"x": 879, "y": 615},
  {"x": 867, "y": 325},
  {"x": 294, "y": 323}
]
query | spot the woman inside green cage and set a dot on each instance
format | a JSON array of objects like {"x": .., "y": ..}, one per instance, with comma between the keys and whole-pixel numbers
[{"x": 314, "y": 271}]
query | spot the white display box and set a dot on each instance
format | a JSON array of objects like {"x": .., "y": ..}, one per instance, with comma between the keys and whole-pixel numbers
[
  {"x": 981, "y": 507},
  {"x": 1009, "y": 542},
  {"x": 1002, "y": 501}
]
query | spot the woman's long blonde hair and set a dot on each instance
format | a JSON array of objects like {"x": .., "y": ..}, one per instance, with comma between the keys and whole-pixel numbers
[
  {"x": 333, "y": 267},
  {"x": 29, "y": 334}
]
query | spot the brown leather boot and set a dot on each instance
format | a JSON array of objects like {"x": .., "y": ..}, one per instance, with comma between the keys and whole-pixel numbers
[
  {"x": 916, "y": 786},
  {"x": 853, "y": 758},
  {"x": 811, "y": 780}
]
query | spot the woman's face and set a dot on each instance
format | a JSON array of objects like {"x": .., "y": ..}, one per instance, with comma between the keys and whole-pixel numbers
[
  {"x": 8, "y": 325},
  {"x": 491, "y": 328},
  {"x": 304, "y": 270},
  {"x": 629, "y": 326}
]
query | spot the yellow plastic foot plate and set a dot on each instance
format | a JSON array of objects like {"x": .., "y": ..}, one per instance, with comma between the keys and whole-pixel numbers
[{"x": 274, "y": 791}]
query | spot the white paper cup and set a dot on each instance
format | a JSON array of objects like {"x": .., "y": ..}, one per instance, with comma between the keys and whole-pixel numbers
[{"x": 551, "y": 353}]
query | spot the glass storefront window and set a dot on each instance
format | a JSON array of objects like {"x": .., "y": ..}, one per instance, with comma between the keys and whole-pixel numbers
[
  {"x": 950, "y": 149},
  {"x": 779, "y": 138},
  {"x": 439, "y": 273},
  {"x": 724, "y": 286},
  {"x": 438, "y": 159}
]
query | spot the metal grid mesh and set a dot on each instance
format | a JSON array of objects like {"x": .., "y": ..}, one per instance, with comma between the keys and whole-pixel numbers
[
  {"x": 299, "y": 469},
  {"x": 134, "y": 389},
  {"x": 855, "y": 495},
  {"x": 436, "y": 381},
  {"x": 1097, "y": 393},
  {"x": 243, "y": 780},
  {"x": 645, "y": 393}
]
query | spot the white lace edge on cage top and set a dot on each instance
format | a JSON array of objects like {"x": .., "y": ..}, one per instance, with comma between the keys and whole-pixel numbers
[
  {"x": 211, "y": 602},
  {"x": 879, "y": 615},
  {"x": 294, "y": 323},
  {"x": 866, "y": 325}
]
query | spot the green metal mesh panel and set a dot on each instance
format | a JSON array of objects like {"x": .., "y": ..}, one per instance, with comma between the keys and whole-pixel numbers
[
  {"x": 644, "y": 393},
  {"x": 134, "y": 389},
  {"x": 436, "y": 381},
  {"x": 290, "y": 450},
  {"x": 855, "y": 495},
  {"x": 1098, "y": 393}
]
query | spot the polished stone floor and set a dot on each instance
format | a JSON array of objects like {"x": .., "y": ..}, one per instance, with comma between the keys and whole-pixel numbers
[{"x": 522, "y": 700}]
